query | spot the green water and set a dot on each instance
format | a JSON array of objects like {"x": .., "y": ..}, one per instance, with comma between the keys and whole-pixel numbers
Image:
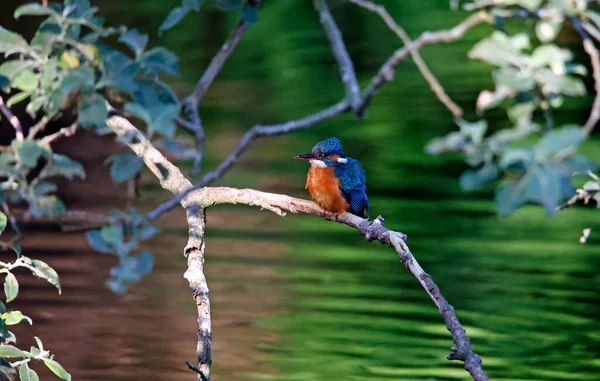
[{"x": 303, "y": 299}]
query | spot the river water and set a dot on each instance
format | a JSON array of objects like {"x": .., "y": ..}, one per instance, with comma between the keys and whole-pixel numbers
[{"x": 298, "y": 298}]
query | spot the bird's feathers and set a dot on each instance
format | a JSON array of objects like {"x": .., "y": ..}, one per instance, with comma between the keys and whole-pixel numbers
[{"x": 352, "y": 183}]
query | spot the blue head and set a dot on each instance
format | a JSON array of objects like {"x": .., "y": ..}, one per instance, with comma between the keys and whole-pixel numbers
[{"x": 326, "y": 153}]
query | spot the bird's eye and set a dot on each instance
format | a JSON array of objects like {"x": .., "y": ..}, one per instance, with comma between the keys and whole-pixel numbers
[{"x": 320, "y": 154}]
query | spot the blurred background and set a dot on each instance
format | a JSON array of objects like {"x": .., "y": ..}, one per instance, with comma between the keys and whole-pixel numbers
[{"x": 298, "y": 298}]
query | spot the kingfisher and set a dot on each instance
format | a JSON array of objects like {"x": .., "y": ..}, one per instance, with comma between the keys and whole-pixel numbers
[{"x": 335, "y": 182}]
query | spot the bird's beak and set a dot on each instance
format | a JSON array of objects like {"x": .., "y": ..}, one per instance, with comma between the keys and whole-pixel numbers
[{"x": 307, "y": 156}]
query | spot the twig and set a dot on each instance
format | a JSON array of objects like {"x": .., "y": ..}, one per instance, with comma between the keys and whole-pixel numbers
[
  {"x": 16, "y": 123},
  {"x": 253, "y": 133},
  {"x": 13, "y": 224},
  {"x": 386, "y": 72},
  {"x": 435, "y": 85},
  {"x": 191, "y": 102},
  {"x": 65, "y": 131},
  {"x": 38, "y": 127},
  {"x": 195, "y": 202},
  {"x": 45, "y": 3},
  {"x": 195, "y": 369},
  {"x": 216, "y": 64},
  {"x": 592, "y": 51},
  {"x": 340, "y": 53}
]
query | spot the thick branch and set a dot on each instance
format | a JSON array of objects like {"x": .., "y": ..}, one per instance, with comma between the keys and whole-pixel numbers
[
  {"x": 172, "y": 179},
  {"x": 435, "y": 85},
  {"x": 339, "y": 52},
  {"x": 16, "y": 123},
  {"x": 386, "y": 72}
]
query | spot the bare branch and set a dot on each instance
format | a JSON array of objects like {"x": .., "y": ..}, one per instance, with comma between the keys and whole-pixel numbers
[
  {"x": 65, "y": 131},
  {"x": 193, "y": 123},
  {"x": 195, "y": 202},
  {"x": 339, "y": 52},
  {"x": 195, "y": 369},
  {"x": 172, "y": 179},
  {"x": 386, "y": 72},
  {"x": 38, "y": 127},
  {"x": 253, "y": 133},
  {"x": 16, "y": 123},
  {"x": 435, "y": 85},
  {"x": 216, "y": 64},
  {"x": 592, "y": 51}
]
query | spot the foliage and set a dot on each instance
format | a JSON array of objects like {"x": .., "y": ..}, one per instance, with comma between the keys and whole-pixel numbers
[
  {"x": 72, "y": 66},
  {"x": 529, "y": 163},
  {"x": 248, "y": 11},
  {"x": 12, "y": 317},
  {"x": 121, "y": 241}
]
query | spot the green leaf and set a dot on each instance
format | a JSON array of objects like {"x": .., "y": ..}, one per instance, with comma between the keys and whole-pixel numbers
[
  {"x": 228, "y": 5},
  {"x": 62, "y": 165},
  {"x": 14, "y": 318},
  {"x": 43, "y": 188},
  {"x": 140, "y": 112},
  {"x": 163, "y": 119},
  {"x": 96, "y": 241},
  {"x": 3, "y": 220},
  {"x": 27, "y": 374},
  {"x": 514, "y": 79},
  {"x": 112, "y": 235},
  {"x": 510, "y": 196},
  {"x": 83, "y": 77},
  {"x": 147, "y": 232},
  {"x": 135, "y": 41},
  {"x": 473, "y": 130},
  {"x": 10, "y": 41},
  {"x": 18, "y": 97},
  {"x": 42, "y": 270},
  {"x": 17, "y": 249},
  {"x": 178, "y": 13},
  {"x": 8, "y": 351},
  {"x": 26, "y": 80},
  {"x": 125, "y": 166},
  {"x": 35, "y": 9},
  {"x": 471, "y": 180},
  {"x": 57, "y": 369},
  {"x": 161, "y": 59},
  {"x": 28, "y": 152},
  {"x": 50, "y": 206},
  {"x": 544, "y": 188},
  {"x": 592, "y": 186},
  {"x": 557, "y": 140},
  {"x": 551, "y": 56},
  {"x": 531, "y": 5},
  {"x": 92, "y": 112},
  {"x": 2, "y": 307},
  {"x": 10, "y": 69},
  {"x": 502, "y": 50},
  {"x": 454, "y": 141},
  {"x": 249, "y": 13},
  {"x": 516, "y": 156},
  {"x": 521, "y": 113},
  {"x": 11, "y": 287}
]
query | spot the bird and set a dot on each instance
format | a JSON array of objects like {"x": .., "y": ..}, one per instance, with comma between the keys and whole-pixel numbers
[{"x": 335, "y": 182}]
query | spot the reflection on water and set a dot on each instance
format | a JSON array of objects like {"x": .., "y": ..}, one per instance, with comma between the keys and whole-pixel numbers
[{"x": 303, "y": 299}]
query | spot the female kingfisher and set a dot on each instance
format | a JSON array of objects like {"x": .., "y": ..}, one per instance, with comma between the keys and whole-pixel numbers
[{"x": 335, "y": 182}]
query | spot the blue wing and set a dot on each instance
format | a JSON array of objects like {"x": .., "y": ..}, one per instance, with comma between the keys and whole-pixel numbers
[{"x": 353, "y": 186}]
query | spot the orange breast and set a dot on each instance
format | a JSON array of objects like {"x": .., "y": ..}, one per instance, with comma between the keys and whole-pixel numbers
[{"x": 324, "y": 189}]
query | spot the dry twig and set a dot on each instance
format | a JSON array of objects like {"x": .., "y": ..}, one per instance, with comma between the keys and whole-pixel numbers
[
  {"x": 14, "y": 121},
  {"x": 435, "y": 85}
]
